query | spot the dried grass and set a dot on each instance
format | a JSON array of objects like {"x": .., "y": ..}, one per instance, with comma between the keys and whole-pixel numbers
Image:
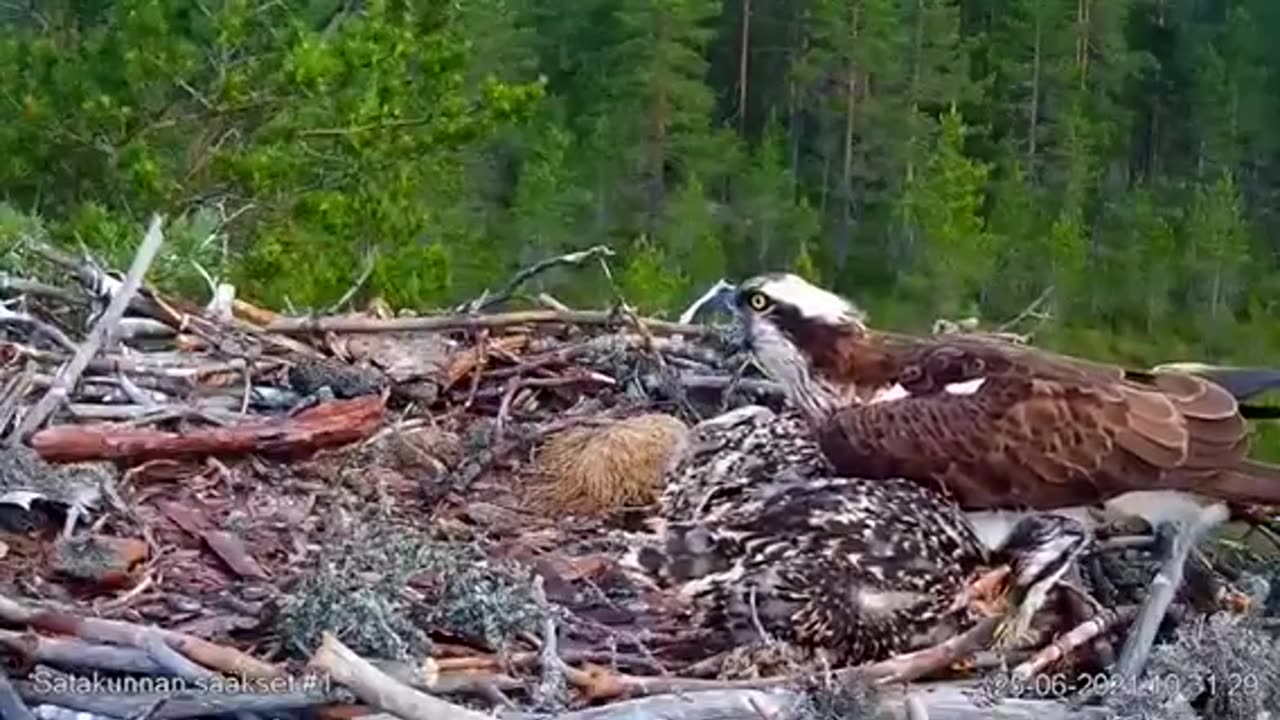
[{"x": 596, "y": 469}]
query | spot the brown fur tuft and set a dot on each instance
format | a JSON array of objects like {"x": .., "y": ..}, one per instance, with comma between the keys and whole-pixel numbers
[{"x": 596, "y": 469}]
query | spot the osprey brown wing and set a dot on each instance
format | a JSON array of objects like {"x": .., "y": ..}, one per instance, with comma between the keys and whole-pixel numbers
[{"x": 1042, "y": 432}]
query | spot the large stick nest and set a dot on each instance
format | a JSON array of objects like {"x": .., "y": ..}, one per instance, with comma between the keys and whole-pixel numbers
[{"x": 436, "y": 505}]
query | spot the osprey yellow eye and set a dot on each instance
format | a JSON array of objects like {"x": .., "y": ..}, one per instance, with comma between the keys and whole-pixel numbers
[{"x": 758, "y": 301}]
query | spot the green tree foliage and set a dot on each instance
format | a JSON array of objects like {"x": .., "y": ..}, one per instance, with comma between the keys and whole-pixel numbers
[
  {"x": 932, "y": 157},
  {"x": 334, "y": 135}
]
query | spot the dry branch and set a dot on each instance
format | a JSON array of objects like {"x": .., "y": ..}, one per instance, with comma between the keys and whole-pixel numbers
[
  {"x": 377, "y": 688},
  {"x": 1077, "y": 637},
  {"x": 326, "y": 425},
  {"x": 302, "y": 326},
  {"x": 117, "y": 632},
  {"x": 574, "y": 258},
  {"x": 1137, "y": 646},
  {"x": 61, "y": 389},
  {"x": 11, "y": 705},
  {"x": 75, "y": 653}
]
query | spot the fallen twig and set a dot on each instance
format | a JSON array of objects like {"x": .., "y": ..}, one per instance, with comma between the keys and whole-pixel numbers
[
  {"x": 552, "y": 687},
  {"x": 523, "y": 276},
  {"x": 1137, "y": 646},
  {"x": 57, "y": 336},
  {"x": 70, "y": 373},
  {"x": 380, "y": 690},
  {"x": 329, "y": 424},
  {"x": 302, "y": 326},
  {"x": 370, "y": 262},
  {"x": 211, "y": 655},
  {"x": 11, "y": 705},
  {"x": 1078, "y": 636},
  {"x": 75, "y": 653}
]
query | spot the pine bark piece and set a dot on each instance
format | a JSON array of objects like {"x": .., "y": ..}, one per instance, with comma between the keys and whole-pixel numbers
[{"x": 326, "y": 425}]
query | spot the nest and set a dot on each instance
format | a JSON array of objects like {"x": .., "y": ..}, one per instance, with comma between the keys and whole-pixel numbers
[
  {"x": 380, "y": 588},
  {"x": 596, "y": 469}
]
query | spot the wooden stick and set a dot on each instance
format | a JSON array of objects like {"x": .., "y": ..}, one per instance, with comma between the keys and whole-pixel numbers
[
  {"x": 940, "y": 701},
  {"x": 75, "y": 653},
  {"x": 523, "y": 276},
  {"x": 380, "y": 690},
  {"x": 11, "y": 705},
  {"x": 301, "y": 326},
  {"x": 1137, "y": 646},
  {"x": 1076, "y": 637},
  {"x": 326, "y": 425},
  {"x": 118, "y": 632},
  {"x": 70, "y": 373}
]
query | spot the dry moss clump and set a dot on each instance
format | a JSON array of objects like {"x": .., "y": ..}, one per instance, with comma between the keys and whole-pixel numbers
[
  {"x": 1218, "y": 667},
  {"x": 382, "y": 591},
  {"x": 823, "y": 697},
  {"x": 595, "y": 469}
]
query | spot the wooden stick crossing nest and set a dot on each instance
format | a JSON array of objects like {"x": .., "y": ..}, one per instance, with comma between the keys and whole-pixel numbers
[{"x": 596, "y": 469}]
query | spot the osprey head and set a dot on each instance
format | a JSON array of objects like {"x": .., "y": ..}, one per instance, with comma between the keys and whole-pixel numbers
[
  {"x": 792, "y": 327},
  {"x": 1042, "y": 546}
]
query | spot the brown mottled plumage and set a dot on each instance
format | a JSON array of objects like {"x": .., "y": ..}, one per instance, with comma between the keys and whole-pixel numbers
[
  {"x": 757, "y": 533},
  {"x": 995, "y": 423}
]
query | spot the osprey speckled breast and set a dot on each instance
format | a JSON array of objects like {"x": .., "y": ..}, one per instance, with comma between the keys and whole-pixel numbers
[{"x": 760, "y": 536}]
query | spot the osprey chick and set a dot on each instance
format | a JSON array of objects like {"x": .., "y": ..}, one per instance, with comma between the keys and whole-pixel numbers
[
  {"x": 996, "y": 424},
  {"x": 763, "y": 540}
]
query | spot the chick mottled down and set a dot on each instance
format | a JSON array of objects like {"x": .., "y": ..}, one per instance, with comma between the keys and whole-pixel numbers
[
  {"x": 600, "y": 468},
  {"x": 756, "y": 532}
]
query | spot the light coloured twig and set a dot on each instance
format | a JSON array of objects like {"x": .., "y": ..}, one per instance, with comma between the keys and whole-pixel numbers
[
  {"x": 1077, "y": 637},
  {"x": 11, "y": 705},
  {"x": 1137, "y": 645},
  {"x": 574, "y": 258},
  {"x": 70, "y": 373},
  {"x": 380, "y": 690},
  {"x": 307, "y": 325}
]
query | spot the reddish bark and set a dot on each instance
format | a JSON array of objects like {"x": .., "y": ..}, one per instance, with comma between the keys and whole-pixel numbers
[{"x": 330, "y": 424}]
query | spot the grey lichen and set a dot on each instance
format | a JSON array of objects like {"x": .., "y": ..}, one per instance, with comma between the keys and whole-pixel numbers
[
  {"x": 826, "y": 697},
  {"x": 1219, "y": 667},
  {"x": 383, "y": 590},
  {"x": 26, "y": 477}
]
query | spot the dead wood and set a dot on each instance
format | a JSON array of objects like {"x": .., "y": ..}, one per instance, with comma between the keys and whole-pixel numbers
[
  {"x": 303, "y": 326},
  {"x": 172, "y": 699},
  {"x": 70, "y": 373},
  {"x": 72, "y": 653},
  {"x": 117, "y": 632},
  {"x": 326, "y": 425},
  {"x": 380, "y": 690},
  {"x": 11, "y": 705},
  {"x": 575, "y": 259},
  {"x": 940, "y": 701},
  {"x": 1077, "y": 637},
  {"x": 1137, "y": 645}
]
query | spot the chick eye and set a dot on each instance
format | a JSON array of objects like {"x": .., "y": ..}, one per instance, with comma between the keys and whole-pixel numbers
[{"x": 758, "y": 301}]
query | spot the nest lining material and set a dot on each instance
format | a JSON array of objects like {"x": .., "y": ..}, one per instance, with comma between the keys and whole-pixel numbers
[{"x": 597, "y": 469}]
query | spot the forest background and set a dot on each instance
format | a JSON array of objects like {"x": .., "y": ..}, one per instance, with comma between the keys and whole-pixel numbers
[{"x": 931, "y": 158}]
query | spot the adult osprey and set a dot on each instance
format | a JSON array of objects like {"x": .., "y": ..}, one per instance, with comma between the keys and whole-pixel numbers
[
  {"x": 996, "y": 424},
  {"x": 760, "y": 537}
]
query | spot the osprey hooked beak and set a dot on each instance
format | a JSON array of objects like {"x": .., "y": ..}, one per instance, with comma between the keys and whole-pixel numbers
[
  {"x": 1040, "y": 549},
  {"x": 781, "y": 316}
]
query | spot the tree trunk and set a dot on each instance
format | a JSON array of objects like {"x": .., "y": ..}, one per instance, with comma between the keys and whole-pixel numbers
[
  {"x": 744, "y": 42},
  {"x": 1033, "y": 113},
  {"x": 850, "y": 111}
]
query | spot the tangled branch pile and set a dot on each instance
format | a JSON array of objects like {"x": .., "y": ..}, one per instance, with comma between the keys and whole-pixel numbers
[{"x": 190, "y": 493}]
